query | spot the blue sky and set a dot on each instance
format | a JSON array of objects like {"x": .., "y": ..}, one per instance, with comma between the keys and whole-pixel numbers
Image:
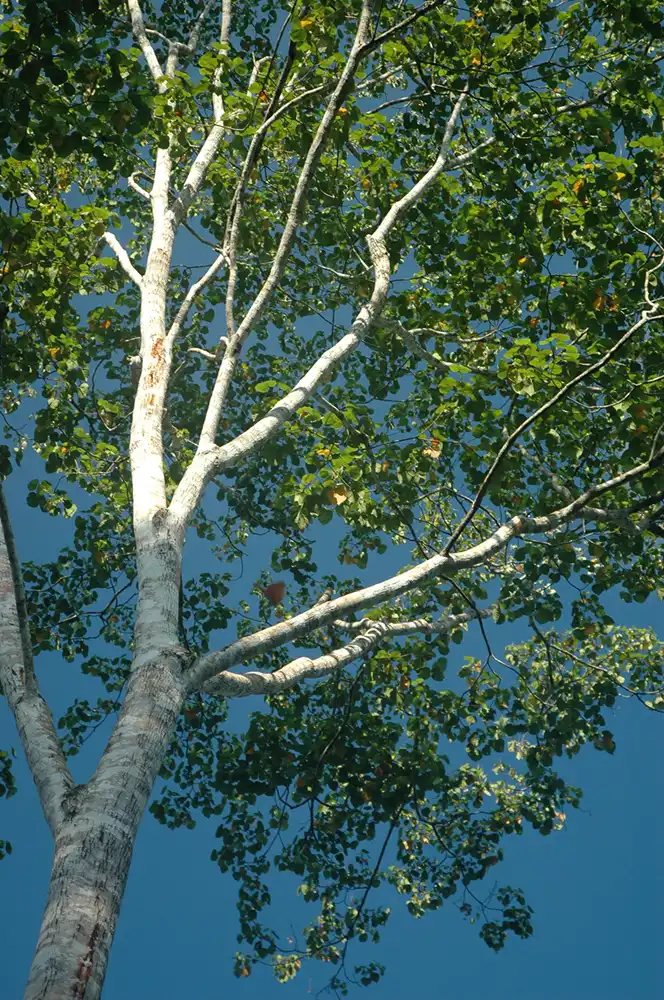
[{"x": 596, "y": 887}]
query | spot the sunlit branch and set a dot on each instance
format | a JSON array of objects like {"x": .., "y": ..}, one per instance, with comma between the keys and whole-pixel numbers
[
  {"x": 441, "y": 564},
  {"x": 140, "y": 34},
  {"x": 123, "y": 259},
  {"x": 210, "y": 459},
  {"x": 191, "y": 295},
  {"x": 135, "y": 186},
  {"x": 229, "y": 685}
]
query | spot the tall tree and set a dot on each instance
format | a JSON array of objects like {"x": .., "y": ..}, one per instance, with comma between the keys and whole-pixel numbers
[{"x": 426, "y": 333}]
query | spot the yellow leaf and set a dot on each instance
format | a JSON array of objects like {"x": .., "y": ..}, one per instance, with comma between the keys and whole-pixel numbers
[
  {"x": 522, "y": 260},
  {"x": 342, "y": 111},
  {"x": 620, "y": 175},
  {"x": 54, "y": 351},
  {"x": 306, "y": 22},
  {"x": 577, "y": 185},
  {"x": 337, "y": 495}
]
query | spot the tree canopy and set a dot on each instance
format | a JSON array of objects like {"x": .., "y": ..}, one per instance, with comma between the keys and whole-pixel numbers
[{"x": 373, "y": 289}]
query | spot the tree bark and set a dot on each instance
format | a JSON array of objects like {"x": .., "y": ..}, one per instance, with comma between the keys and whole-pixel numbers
[{"x": 94, "y": 844}]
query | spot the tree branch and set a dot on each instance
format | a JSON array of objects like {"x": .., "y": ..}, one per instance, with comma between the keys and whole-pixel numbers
[
  {"x": 410, "y": 340},
  {"x": 227, "y": 685},
  {"x": 647, "y": 316},
  {"x": 140, "y": 34},
  {"x": 123, "y": 258},
  {"x": 442, "y": 563},
  {"x": 135, "y": 186},
  {"x": 210, "y": 459},
  {"x": 309, "y": 166},
  {"x": 189, "y": 298},
  {"x": 33, "y": 718}
]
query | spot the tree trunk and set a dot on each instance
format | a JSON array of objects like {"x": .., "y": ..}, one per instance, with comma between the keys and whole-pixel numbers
[
  {"x": 94, "y": 844},
  {"x": 90, "y": 867}
]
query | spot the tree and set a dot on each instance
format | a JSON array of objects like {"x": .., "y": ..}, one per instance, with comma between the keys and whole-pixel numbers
[{"x": 427, "y": 334}]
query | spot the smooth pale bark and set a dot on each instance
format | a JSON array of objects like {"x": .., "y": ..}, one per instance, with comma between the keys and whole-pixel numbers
[{"x": 94, "y": 843}]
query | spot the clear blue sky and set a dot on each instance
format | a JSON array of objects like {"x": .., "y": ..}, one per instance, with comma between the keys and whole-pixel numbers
[{"x": 597, "y": 887}]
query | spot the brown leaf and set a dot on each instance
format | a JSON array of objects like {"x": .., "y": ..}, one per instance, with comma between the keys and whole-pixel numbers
[
  {"x": 274, "y": 592},
  {"x": 336, "y": 495}
]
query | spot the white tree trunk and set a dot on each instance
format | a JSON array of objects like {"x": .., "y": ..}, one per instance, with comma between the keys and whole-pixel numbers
[{"x": 94, "y": 844}]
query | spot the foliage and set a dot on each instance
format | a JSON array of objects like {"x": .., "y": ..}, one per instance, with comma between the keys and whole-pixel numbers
[{"x": 511, "y": 282}]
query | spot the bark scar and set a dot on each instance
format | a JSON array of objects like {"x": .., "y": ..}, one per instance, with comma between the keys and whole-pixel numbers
[{"x": 84, "y": 970}]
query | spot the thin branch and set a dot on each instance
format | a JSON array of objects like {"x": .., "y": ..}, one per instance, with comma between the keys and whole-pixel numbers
[
  {"x": 406, "y": 23},
  {"x": 646, "y": 316},
  {"x": 421, "y": 351},
  {"x": 224, "y": 39},
  {"x": 195, "y": 35},
  {"x": 123, "y": 258},
  {"x": 260, "y": 303},
  {"x": 422, "y": 186},
  {"x": 205, "y": 354},
  {"x": 232, "y": 233},
  {"x": 135, "y": 186},
  {"x": 189, "y": 298},
  {"x": 305, "y": 178},
  {"x": 459, "y": 161}
]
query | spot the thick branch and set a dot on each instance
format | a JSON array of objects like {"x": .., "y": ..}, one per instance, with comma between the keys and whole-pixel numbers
[
  {"x": 139, "y": 32},
  {"x": 443, "y": 563},
  {"x": 209, "y": 459},
  {"x": 33, "y": 718},
  {"x": 229, "y": 685}
]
